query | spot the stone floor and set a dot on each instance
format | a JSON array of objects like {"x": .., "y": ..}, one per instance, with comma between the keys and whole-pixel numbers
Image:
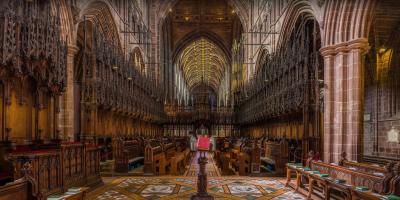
[{"x": 183, "y": 187}]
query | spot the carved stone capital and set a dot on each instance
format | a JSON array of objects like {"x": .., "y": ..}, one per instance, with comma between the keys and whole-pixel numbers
[{"x": 344, "y": 47}]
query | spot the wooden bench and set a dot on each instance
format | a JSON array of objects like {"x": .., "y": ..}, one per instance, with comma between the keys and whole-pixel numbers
[
  {"x": 277, "y": 153},
  {"x": 127, "y": 155},
  {"x": 17, "y": 190},
  {"x": 249, "y": 158},
  {"x": 179, "y": 161},
  {"x": 154, "y": 158},
  {"x": 326, "y": 180}
]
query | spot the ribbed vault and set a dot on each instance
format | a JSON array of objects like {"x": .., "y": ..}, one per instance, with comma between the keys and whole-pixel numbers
[{"x": 202, "y": 62}]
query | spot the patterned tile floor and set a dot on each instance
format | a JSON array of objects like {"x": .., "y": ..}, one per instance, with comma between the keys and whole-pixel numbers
[{"x": 183, "y": 187}]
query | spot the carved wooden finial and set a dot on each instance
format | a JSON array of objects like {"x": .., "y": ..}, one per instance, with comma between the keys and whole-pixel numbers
[{"x": 343, "y": 158}]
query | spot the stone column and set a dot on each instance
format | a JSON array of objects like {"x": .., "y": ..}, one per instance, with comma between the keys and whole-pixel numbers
[
  {"x": 355, "y": 94},
  {"x": 328, "y": 55},
  {"x": 67, "y": 100},
  {"x": 343, "y": 99}
]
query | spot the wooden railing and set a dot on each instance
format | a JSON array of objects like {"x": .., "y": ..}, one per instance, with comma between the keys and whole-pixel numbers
[
  {"x": 92, "y": 165},
  {"x": 72, "y": 156},
  {"x": 42, "y": 169},
  {"x": 55, "y": 170}
]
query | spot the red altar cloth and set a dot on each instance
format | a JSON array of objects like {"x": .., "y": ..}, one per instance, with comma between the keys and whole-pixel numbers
[{"x": 203, "y": 143}]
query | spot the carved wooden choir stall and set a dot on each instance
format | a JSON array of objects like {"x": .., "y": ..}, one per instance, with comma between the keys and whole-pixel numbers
[{"x": 283, "y": 100}]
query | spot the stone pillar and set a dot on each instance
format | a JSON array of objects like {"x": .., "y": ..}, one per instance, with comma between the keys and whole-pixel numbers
[
  {"x": 67, "y": 100},
  {"x": 343, "y": 98},
  {"x": 328, "y": 103},
  {"x": 355, "y": 93}
]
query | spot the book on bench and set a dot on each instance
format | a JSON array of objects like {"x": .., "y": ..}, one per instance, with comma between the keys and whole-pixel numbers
[
  {"x": 362, "y": 188},
  {"x": 340, "y": 181}
]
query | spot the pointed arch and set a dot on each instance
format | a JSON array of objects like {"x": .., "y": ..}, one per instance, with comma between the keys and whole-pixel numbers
[
  {"x": 346, "y": 21},
  {"x": 295, "y": 10},
  {"x": 100, "y": 13}
]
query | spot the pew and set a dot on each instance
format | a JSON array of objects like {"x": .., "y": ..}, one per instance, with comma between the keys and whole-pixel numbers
[
  {"x": 166, "y": 155},
  {"x": 331, "y": 180},
  {"x": 363, "y": 167},
  {"x": 154, "y": 158},
  {"x": 222, "y": 155},
  {"x": 179, "y": 162},
  {"x": 249, "y": 158},
  {"x": 16, "y": 190},
  {"x": 276, "y": 156},
  {"x": 238, "y": 156},
  {"x": 181, "y": 143},
  {"x": 127, "y": 154}
]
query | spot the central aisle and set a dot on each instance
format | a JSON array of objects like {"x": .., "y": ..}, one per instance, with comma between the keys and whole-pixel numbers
[{"x": 211, "y": 167}]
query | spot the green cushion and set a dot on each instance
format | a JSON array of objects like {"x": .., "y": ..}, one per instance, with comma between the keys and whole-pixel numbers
[
  {"x": 324, "y": 175},
  {"x": 392, "y": 197}
]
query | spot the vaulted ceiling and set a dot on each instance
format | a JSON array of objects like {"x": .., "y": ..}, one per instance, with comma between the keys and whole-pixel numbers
[
  {"x": 203, "y": 62},
  {"x": 202, "y": 33}
]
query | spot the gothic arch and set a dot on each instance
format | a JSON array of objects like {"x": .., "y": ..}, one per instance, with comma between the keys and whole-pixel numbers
[
  {"x": 100, "y": 12},
  {"x": 346, "y": 21},
  {"x": 295, "y": 10},
  {"x": 67, "y": 21},
  {"x": 261, "y": 59},
  {"x": 138, "y": 61}
]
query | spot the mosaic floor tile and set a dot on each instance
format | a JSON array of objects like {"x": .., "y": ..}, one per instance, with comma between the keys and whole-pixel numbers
[
  {"x": 290, "y": 196},
  {"x": 184, "y": 187},
  {"x": 163, "y": 189},
  {"x": 243, "y": 189}
]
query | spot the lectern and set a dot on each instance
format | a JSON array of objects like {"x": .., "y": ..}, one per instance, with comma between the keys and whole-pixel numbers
[{"x": 203, "y": 145}]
